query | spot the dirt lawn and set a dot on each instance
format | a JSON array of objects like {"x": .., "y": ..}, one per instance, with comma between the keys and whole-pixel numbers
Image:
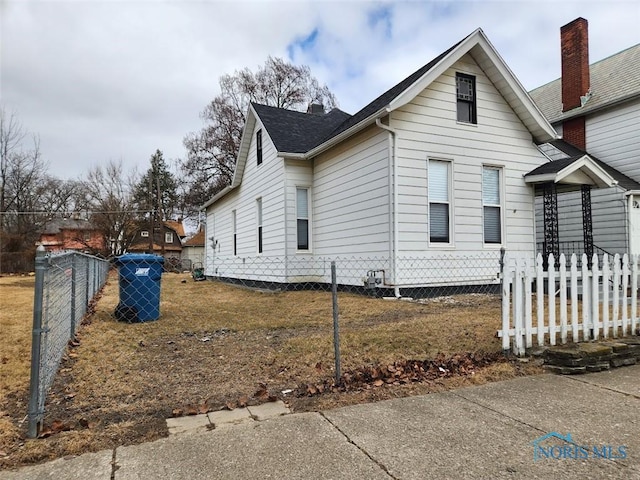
[{"x": 218, "y": 346}]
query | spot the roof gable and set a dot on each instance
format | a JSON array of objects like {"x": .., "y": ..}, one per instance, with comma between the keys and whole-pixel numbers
[
  {"x": 486, "y": 56},
  {"x": 562, "y": 169},
  {"x": 613, "y": 79}
]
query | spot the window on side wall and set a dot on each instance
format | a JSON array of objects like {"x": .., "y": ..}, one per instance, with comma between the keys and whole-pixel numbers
[
  {"x": 168, "y": 237},
  {"x": 302, "y": 217},
  {"x": 235, "y": 232},
  {"x": 466, "y": 98},
  {"x": 259, "y": 223},
  {"x": 144, "y": 233},
  {"x": 491, "y": 205},
  {"x": 259, "y": 147},
  {"x": 439, "y": 201}
]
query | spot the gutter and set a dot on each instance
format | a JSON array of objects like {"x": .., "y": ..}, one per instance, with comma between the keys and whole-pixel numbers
[{"x": 393, "y": 205}]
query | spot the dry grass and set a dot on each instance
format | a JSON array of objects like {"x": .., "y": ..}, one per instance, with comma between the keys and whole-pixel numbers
[{"x": 212, "y": 347}]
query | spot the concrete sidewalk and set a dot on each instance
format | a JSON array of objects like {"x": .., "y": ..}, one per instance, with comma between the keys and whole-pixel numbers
[{"x": 485, "y": 432}]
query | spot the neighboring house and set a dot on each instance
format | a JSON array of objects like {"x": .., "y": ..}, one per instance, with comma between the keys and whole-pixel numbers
[
  {"x": 435, "y": 166},
  {"x": 72, "y": 234},
  {"x": 165, "y": 241},
  {"x": 193, "y": 248},
  {"x": 596, "y": 109}
]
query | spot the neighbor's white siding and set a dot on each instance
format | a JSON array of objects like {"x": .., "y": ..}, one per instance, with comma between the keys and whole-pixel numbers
[
  {"x": 614, "y": 137},
  {"x": 195, "y": 254},
  {"x": 350, "y": 201},
  {"x": 264, "y": 181},
  {"x": 427, "y": 129},
  {"x": 608, "y": 215}
]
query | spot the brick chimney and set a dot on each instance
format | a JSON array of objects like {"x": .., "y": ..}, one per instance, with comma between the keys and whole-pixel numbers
[
  {"x": 315, "y": 108},
  {"x": 574, "y": 45}
]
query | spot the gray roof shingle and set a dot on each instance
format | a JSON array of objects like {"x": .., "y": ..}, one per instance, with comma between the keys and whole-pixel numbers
[
  {"x": 297, "y": 132},
  {"x": 574, "y": 154},
  {"x": 612, "y": 79}
]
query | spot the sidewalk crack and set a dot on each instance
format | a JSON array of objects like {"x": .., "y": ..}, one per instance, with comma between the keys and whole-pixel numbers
[
  {"x": 604, "y": 387},
  {"x": 379, "y": 464},
  {"x": 114, "y": 466},
  {"x": 502, "y": 414}
]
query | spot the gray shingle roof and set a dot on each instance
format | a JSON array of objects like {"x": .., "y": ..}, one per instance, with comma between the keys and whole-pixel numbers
[
  {"x": 574, "y": 154},
  {"x": 298, "y": 132},
  {"x": 612, "y": 79}
]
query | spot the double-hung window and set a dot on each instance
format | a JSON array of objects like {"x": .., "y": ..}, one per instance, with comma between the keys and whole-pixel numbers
[
  {"x": 259, "y": 223},
  {"x": 439, "y": 201},
  {"x": 259, "y": 147},
  {"x": 491, "y": 205},
  {"x": 168, "y": 237},
  {"x": 235, "y": 232},
  {"x": 302, "y": 217},
  {"x": 466, "y": 98}
]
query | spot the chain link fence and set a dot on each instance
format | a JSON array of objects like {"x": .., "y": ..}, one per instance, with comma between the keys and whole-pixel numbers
[
  {"x": 416, "y": 277},
  {"x": 65, "y": 285}
]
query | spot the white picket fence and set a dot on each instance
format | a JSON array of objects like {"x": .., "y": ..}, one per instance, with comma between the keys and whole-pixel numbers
[{"x": 583, "y": 303}]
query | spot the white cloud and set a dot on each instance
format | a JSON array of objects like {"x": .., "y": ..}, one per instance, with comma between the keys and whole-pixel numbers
[{"x": 100, "y": 80}]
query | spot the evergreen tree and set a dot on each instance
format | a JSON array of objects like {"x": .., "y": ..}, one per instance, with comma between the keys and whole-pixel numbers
[{"x": 157, "y": 191}]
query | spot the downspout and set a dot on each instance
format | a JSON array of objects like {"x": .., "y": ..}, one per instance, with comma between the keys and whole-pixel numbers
[
  {"x": 393, "y": 204},
  {"x": 286, "y": 224}
]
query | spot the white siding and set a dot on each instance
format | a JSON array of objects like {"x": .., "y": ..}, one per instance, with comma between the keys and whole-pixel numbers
[
  {"x": 265, "y": 181},
  {"x": 299, "y": 173},
  {"x": 614, "y": 137},
  {"x": 427, "y": 129},
  {"x": 350, "y": 197}
]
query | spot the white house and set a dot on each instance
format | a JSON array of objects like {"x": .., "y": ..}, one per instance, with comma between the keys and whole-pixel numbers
[
  {"x": 596, "y": 109},
  {"x": 434, "y": 167}
]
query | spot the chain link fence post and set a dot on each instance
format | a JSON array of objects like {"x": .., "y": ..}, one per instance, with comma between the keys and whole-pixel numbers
[
  {"x": 74, "y": 276},
  {"x": 336, "y": 331},
  {"x": 36, "y": 337}
]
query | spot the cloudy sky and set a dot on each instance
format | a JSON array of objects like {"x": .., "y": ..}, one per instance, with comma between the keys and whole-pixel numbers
[{"x": 102, "y": 80}]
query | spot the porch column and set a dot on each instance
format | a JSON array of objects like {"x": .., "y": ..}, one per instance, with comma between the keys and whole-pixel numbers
[
  {"x": 550, "y": 207},
  {"x": 587, "y": 224}
]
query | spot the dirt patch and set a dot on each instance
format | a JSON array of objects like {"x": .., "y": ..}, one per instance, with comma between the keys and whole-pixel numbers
[{"x": 217, "y": 346}]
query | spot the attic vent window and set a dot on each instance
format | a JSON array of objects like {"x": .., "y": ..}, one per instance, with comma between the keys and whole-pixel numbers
[{"x": 466, "y": 98}]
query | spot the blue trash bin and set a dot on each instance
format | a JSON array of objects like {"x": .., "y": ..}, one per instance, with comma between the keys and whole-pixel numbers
[{"x": 140, "y": 275}]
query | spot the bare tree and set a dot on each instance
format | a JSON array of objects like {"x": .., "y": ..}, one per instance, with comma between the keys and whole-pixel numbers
[
  {"x": 22, "y": 172},
  {"x": 111, "y": 199},
  {"x": 211, "y": 152}
]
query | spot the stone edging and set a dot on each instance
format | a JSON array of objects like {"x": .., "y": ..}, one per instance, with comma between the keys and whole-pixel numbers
[{"x": 593, "y": 356}]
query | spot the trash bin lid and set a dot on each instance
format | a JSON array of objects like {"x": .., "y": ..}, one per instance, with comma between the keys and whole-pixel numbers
[{"x": 139, "y": 258}]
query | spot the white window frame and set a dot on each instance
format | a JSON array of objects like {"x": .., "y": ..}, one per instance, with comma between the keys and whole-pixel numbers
[
  {"x": 144, "y": 233},
  {"x": 234, "y": 232},
  {"x": 168, "y": 237},
  {"x": 259, "y": 148},
  {"x": 308, "y": 219},
  {"x": 460, "y": 98},
  {"x": 259, "y": 230},
  {"x": 499, "y": 205},
  {"x": 449, "y": 202}
]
